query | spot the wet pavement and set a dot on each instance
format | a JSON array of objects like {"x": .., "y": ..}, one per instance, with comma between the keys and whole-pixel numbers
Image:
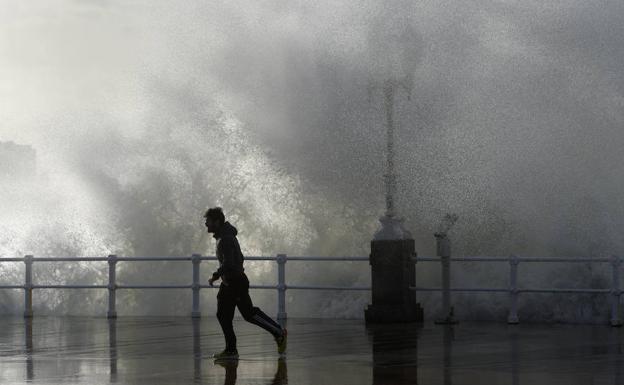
[{"x": 177, "y": 350}]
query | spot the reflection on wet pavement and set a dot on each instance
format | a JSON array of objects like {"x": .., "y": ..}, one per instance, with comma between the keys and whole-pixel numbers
[{"x": 164, "y": 350}]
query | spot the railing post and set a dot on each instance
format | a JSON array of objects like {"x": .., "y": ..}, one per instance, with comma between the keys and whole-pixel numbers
[
  {"x": 281, "y": 286},
  {"x": 28, "y": 287},
  {"x": 195, "y": 313},
  {"x": 513, "y": 289},
  {"x": 443, "y": 247},
  {"x": 615, "y": 292},
  {"x": 112, "y": 286}
]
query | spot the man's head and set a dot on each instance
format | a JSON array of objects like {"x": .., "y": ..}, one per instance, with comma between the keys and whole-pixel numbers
[{"x": 214, "y": 219}]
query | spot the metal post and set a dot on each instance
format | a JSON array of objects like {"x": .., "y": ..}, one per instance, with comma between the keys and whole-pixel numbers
[
  {"x": 195, "y": 313},
  {"x": 444, "y": 252},
  {"x": 30, "y": 370},
  {"x": 281, "y": 286},
  {"x": 112, "y": 349},
  {"x": 615, "y": 292},
  {"x": 28, "y": 287},
  {"x": 390, "y": 177},
  {"x": 112, "y": 286},
  {"x": 197, "y": 354},
  {"x": 513, "y": 290}
]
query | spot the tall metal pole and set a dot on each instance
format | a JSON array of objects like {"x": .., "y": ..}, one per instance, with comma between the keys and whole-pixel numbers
[
  {"x": 390, "y": 175},
  {"x": 281, "y": 287},
  {"x": 443, "y": 245},
  {"x": 391, "y": 226},
  {"x": 196, "y": 260},
  {"x": 112, "y": 286},
  {"x": 28, "y": 286}
]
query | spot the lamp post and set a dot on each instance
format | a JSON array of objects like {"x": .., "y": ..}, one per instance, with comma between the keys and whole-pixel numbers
[
  {"x": 392, "y": 248},
  {"x": 391, "y": 225},
  {"x": 394, "y": 52}
]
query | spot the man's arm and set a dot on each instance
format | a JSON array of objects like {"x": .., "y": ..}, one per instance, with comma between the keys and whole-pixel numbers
[{"x": 228, "y": 249}]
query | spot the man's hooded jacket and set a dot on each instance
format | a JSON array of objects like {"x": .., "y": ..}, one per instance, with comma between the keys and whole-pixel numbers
[{"x": 228, "y": 252}]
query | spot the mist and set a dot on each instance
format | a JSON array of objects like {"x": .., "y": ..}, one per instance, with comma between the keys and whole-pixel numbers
[{"x": 144, "y": 114}]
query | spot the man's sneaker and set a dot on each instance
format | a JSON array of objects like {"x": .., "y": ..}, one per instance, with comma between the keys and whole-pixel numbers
[
  {"x": 281, "y": 341},
  {"x": 226, "y": 354}
]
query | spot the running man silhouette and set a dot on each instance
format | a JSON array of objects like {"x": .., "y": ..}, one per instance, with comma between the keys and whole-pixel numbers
[{"x": 234, "y": 288}]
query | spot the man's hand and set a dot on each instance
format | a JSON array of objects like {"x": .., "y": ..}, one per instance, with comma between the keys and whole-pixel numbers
[{"x": 211, "y": 281}]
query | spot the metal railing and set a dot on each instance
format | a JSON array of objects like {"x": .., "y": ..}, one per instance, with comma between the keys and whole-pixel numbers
[
  {"x": 444, "y": 257},
  {"x": 195, "y": 286}
]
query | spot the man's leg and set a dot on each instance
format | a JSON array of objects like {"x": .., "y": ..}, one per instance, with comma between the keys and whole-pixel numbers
[
  {"x": 253, "y": 314},
  {"x": 226, "y": 304}
]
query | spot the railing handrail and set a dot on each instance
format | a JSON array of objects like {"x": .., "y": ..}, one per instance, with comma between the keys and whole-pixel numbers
[
  {"x": 506, "y": 259},
  {"x": 306, "y": 258},
  {"x": 195, "y": 286},
  {"x": 281, "y": 286},
  {"x": 520, "y": 290},
  {"x": 444, "y": 257},
  {"x": 181, "y": 258}
]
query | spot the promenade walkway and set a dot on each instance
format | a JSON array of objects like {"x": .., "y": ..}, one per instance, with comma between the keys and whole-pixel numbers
[{"x": 176, "y": 350}]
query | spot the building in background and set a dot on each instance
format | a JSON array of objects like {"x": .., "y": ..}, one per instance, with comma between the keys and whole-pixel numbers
[{"x": 17, "y": 161}]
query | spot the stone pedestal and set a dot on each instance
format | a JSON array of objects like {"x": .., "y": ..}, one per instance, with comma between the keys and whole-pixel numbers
[{"x": 393, "y": 272}]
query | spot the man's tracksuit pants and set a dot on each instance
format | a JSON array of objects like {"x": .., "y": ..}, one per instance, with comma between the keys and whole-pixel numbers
[{"x": 236, "y": 294}]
